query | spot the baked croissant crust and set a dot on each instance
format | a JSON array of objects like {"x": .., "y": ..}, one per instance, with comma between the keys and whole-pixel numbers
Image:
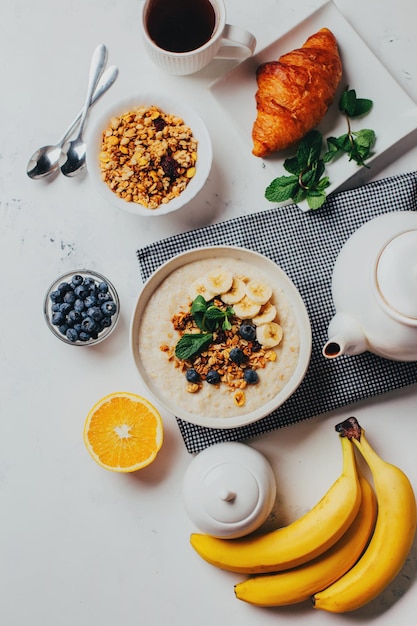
[{"x": 295, "y": 92}]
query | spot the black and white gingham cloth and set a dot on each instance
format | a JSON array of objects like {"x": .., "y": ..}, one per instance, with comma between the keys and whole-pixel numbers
[{"x": 305, "y": 246}]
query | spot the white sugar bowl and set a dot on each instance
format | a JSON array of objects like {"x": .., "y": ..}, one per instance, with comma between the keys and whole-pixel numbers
[{"x": 229, "y": 490}]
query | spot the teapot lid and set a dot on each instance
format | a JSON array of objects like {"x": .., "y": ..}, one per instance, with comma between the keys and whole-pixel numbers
[
  {"x": 396, "y": 275},
  {"x": 229, "y": 489}
]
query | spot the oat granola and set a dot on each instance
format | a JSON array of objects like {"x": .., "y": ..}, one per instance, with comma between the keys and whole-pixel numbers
[
  {"x": 215, "y": 345},
  {"x": 148, "y": 156}
]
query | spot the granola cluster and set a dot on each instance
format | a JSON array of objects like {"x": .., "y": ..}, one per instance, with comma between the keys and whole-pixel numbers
[
  {"x": 148, "y": 156},
  {"x": 217, "y": 357}
]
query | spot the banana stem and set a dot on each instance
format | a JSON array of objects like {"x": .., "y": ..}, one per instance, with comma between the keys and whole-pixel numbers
[{"x": 350, "y": 428}]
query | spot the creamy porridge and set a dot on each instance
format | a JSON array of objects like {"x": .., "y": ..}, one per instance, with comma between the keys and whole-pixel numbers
[{"x": 271, "y": 356}]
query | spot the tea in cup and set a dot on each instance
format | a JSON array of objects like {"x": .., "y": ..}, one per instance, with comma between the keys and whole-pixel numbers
[{"x": 183, "y": 36}]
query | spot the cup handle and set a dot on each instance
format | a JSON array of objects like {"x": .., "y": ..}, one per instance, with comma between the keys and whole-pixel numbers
[{"x": 235, "y": 38}]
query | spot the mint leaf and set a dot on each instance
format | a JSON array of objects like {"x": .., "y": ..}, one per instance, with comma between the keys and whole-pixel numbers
[
  {"x": 199, "y": 305},
  {"x": 309, "y": 149},
  {"x": 353, "y": 106},
  {"x": 198, "y": 311},
  {"x": 316, "y": 198},
  {"x": 191, "y": 344},
  {"x": 347, "y": 102},
  {"x": 292, "y": 165},
  {"x": 282, "y": 188}
]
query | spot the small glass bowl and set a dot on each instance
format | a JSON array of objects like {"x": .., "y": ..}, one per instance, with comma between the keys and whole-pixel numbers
[{"x": 95, "y": 330}]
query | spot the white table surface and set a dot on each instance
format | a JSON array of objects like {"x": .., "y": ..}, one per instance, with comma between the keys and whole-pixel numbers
[{"x": 79, "y": 545}]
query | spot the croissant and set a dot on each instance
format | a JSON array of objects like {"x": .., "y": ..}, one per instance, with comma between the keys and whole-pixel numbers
[{"x": 295, "y": 92}]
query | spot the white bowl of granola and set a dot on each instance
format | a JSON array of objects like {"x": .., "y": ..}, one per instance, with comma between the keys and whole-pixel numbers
[
  {"x": 220, "y": 336},
  {"x": 149, "y": 154}
]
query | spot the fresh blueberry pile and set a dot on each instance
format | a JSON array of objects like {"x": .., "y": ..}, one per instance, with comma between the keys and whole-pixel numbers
[{"x": 82, "y": 308}]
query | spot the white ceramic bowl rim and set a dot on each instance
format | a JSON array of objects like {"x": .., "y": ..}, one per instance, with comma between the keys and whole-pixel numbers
[
  {"x": 300, "y": 312},
  {"x": 167, "y": 104}
]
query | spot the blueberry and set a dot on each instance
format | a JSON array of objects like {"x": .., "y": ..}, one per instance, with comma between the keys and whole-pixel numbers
[
  {"x": 256, "y": 346},
  {"x": 104, "y": 323},
  {"x": 71, "y": 334},
  {"x": 88, "y": 324},
  {"x": 90, "y": 300},
  {"x": 79, "y": 305},
  {"x": 57, "y": 318},
  {"x": 74, "y": 316},
  {"x": 237, "y": 356},
  {"x": 250, "y": 376},
  {"x": 84, "y": 336},
  {"x": 64, "y": 287},
  {"x": 65, "y": 308},
  {"x": 213, "y": 377},
  {"x": 56, "y": 306},
  {"x": 63, "y": 329},
  {"x": 95, "y": 313},
  {"x": 103, "y": 287},
  {"x": 247, "y": 332},
  {"x": 192, "y": 375},
  {"x": 76, "y": 280},
  {"x": 108, "y": 308},
  {"x": 89, "y": 282},
  {"x": 70, "y": 297},
  {"x": 56, "y": 296},
  {"x": 103, "y": 297},
  {"x": 81, "y": 291}
]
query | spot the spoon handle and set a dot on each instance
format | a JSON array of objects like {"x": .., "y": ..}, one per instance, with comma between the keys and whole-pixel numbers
[
  {"x": 105, "y": 82},
  {"x": 97, "y": 65}
]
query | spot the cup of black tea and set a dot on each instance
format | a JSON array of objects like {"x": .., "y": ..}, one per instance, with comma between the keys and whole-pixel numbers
[{"x": 183, "y": 36}]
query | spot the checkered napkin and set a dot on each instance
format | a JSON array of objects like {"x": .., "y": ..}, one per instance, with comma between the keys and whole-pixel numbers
[{"x": 305, "y": 246}]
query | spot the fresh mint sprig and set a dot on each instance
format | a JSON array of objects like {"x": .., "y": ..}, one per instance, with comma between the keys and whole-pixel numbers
[
  {"x": 356, "y": 144},
  {"x": 208, "y": 317},
  {"x": 306, "y": 180}
]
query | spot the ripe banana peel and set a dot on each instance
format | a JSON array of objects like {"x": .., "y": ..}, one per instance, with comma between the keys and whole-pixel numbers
[
  {"x": 391, "y": 540},
  {"x": 299, "y": 542},
  {"x": 300, "y": 583}
]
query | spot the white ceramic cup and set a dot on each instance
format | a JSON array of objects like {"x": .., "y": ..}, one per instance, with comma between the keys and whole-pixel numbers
[{"x": 225, "y": 41}]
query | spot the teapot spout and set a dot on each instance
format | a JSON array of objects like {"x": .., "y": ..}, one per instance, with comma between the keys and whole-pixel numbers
[{"x": 346, "y": 336}]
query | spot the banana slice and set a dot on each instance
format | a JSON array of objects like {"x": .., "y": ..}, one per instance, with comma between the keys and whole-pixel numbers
[
  {"x": 258, "y": 291},
  {"x": 236, "y": 291},
  {"x": 267, "y": 314},
  {"x": 218, "y": 282},
  {"x": 199, "y": 288},
  {"x": 246, "y": 309},
  {"x": 269, "y": 335}
]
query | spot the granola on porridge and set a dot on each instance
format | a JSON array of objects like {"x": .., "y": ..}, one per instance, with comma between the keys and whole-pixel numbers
[{"x": 148, "y": 156}]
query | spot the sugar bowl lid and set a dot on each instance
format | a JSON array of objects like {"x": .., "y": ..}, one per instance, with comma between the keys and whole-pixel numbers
[{"x": 229, "y": 490}]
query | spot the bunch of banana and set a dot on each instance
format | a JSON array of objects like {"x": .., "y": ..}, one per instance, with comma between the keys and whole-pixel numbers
[
  {"x": 373, "y": 531},
  {"x": 391, "y": 540},
  {"x": 300, "y": 583},
  {"x": 299, "y": 542}
]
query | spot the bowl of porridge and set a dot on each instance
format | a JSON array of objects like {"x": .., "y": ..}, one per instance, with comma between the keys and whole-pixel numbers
[
  {"x": 149, "y": 154},
  {"x": 220, "y": 336}
]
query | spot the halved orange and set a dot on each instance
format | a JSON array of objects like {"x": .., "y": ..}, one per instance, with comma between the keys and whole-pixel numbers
[{"x": 123, "y": 432}]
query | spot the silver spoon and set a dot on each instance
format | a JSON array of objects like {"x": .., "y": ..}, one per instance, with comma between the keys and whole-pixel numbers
[
  {"x": 45, "y": 160},
  {"x": 77, "y": 148}
]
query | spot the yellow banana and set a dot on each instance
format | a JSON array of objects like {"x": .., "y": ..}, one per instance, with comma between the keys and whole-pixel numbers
[
  {"x": 300, "y": 583},
  {"x": 392, "y": 538},
  {"x": 299, "y": 542}
]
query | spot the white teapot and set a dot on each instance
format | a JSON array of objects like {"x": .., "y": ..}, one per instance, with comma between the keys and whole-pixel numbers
[{"x": 374, "y": 290}]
